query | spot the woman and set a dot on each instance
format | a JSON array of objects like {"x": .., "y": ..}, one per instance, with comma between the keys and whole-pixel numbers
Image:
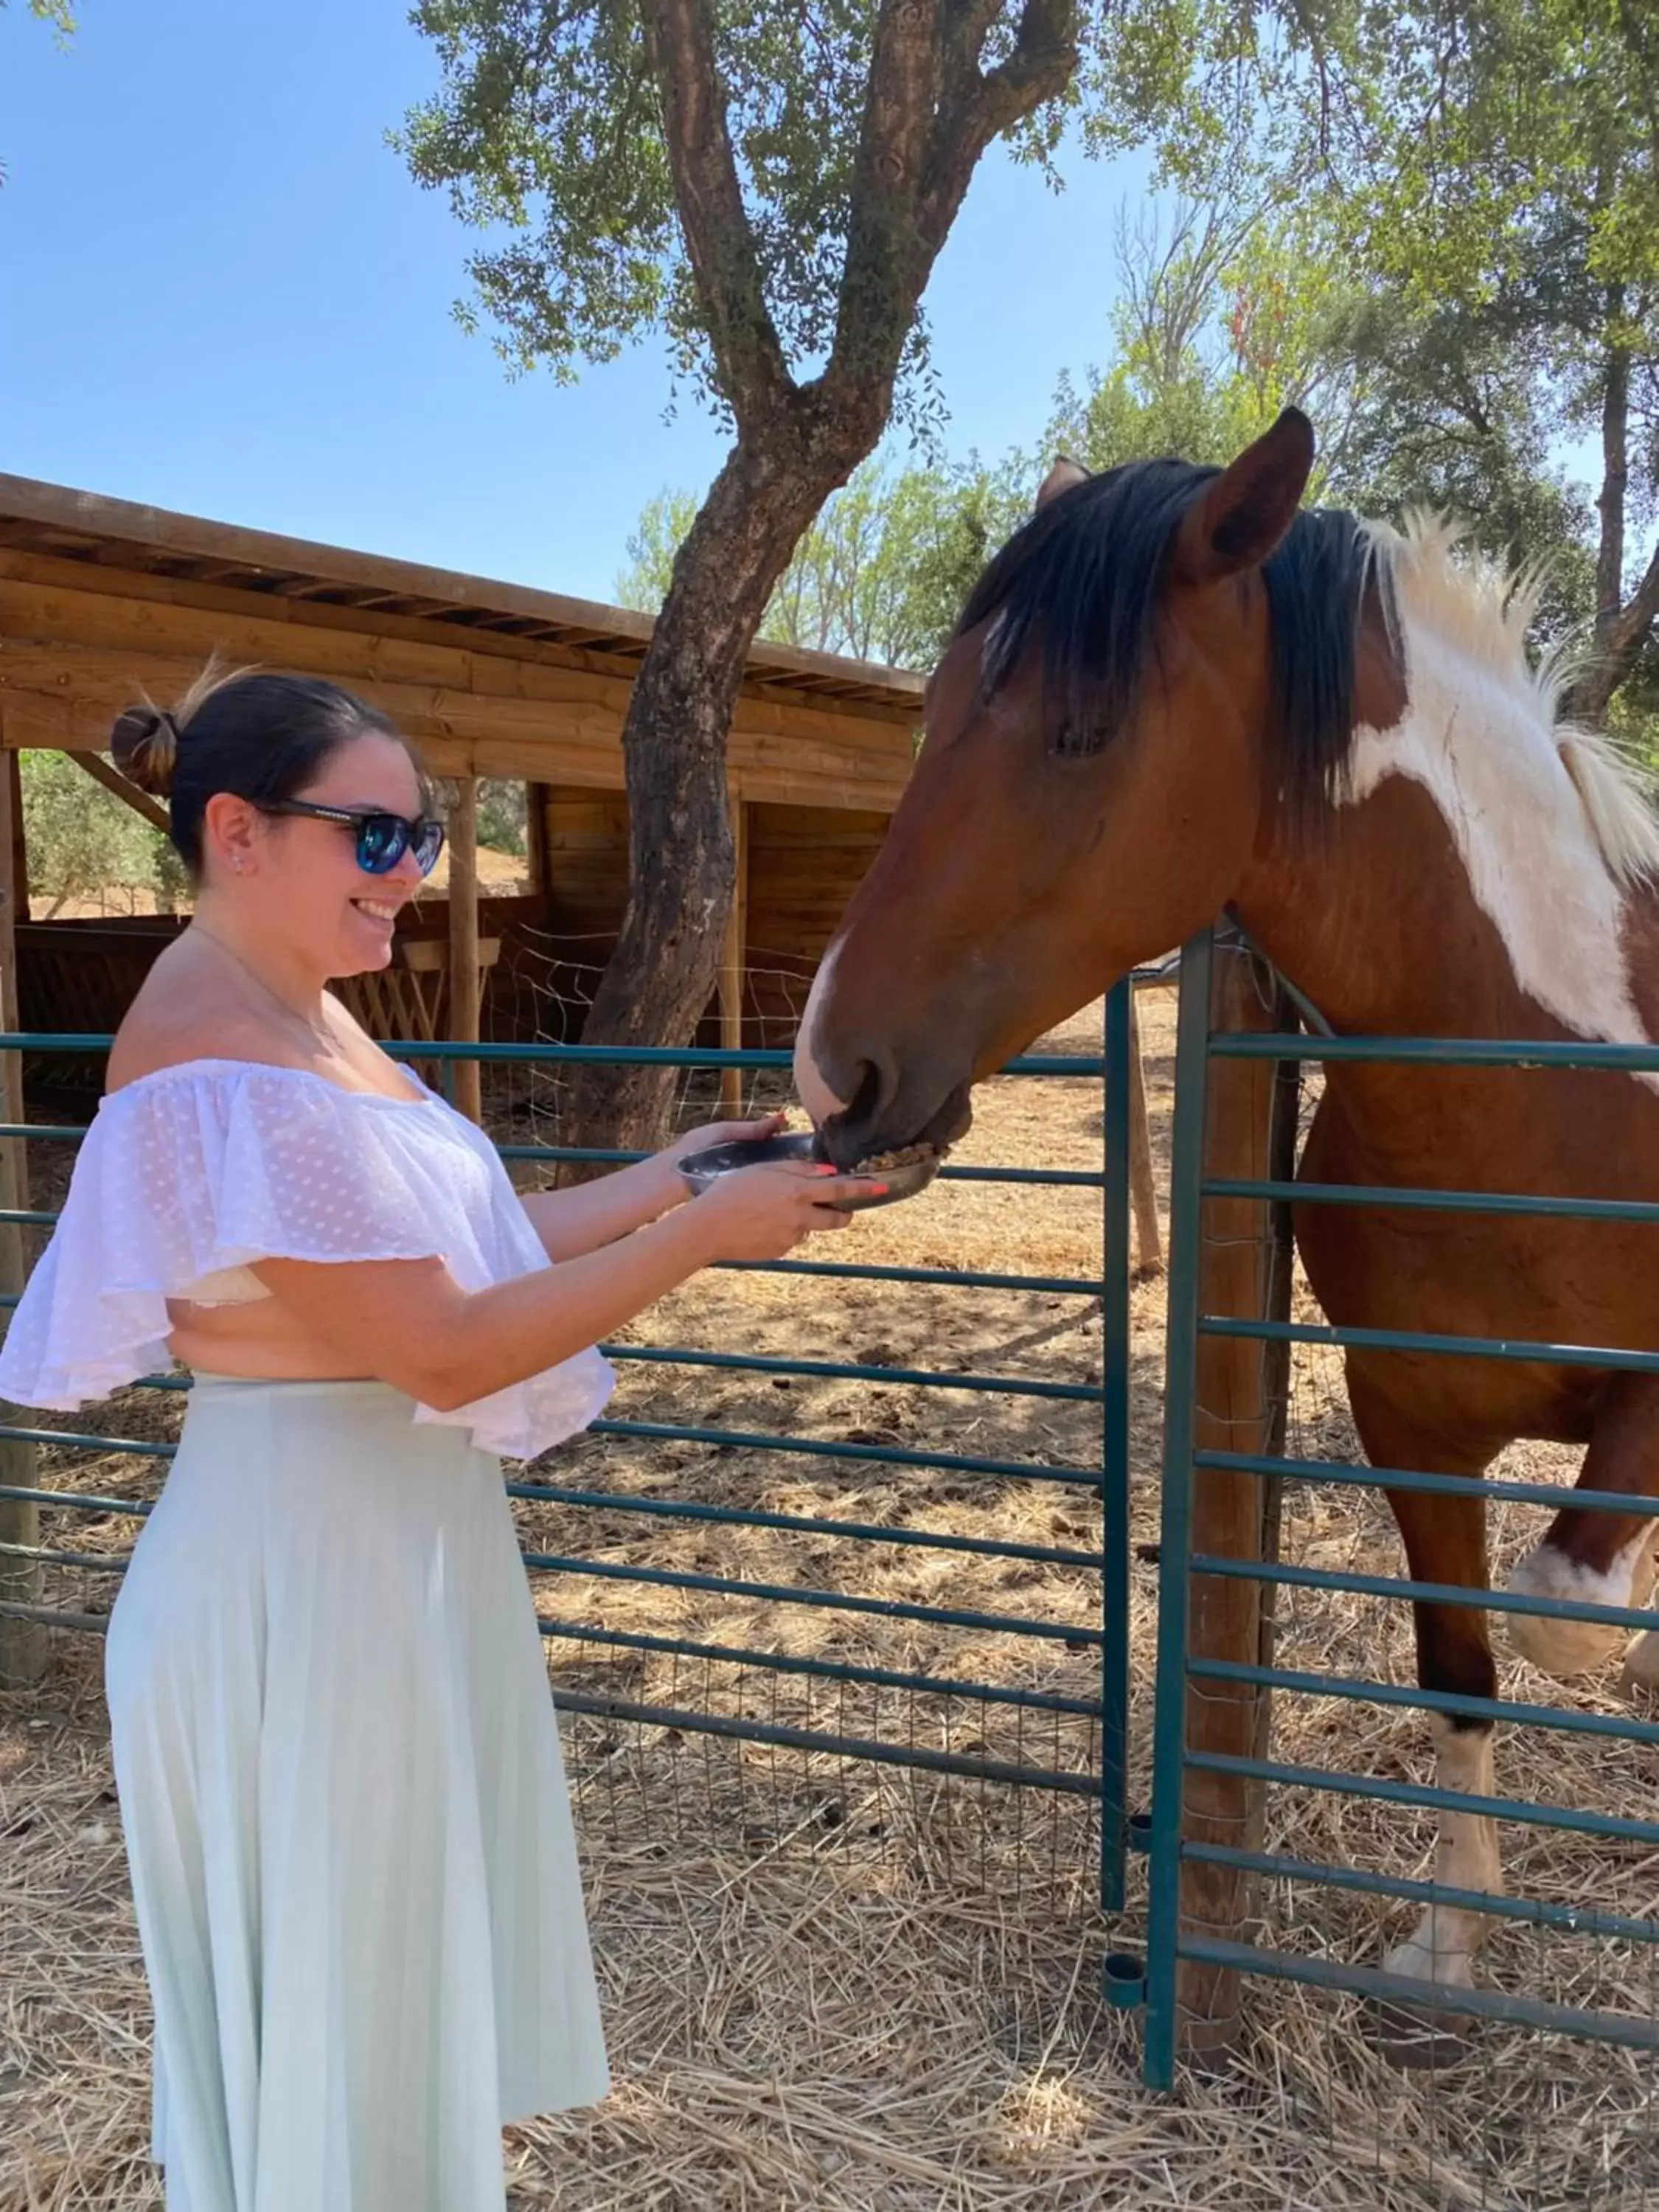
[{"x": 345, "y": 1814}]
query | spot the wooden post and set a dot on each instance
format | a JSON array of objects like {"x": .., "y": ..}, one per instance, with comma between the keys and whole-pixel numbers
[
  {"x": 732, "y": 951},
  {"x": 464, "y": 993},
  {"x": 1241, "y": 1390},
  {"x": 536, "y": 852},
  {"x": 1143, "y": 1191},
  {"x": 20, "y": 860},
  {"x": 22, "y": 1641}
]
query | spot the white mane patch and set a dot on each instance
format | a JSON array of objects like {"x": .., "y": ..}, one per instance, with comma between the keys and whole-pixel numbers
[{"x": 1550, "y": 824}]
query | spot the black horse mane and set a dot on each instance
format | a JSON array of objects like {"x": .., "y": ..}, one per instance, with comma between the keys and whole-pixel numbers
[{"x": 1084, "y": 578}]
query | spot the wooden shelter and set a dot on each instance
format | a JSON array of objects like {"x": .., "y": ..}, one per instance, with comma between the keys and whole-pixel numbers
[{"x": 101, "y": 601}]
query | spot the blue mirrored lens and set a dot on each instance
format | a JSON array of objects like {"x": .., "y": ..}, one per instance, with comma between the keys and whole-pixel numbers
[
  {"x": 382, "y": 840},
  {"x": 429, "y": 846}
]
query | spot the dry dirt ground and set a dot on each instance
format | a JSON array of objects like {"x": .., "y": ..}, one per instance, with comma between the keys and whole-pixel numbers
[{"x": 844, "y": 1985}]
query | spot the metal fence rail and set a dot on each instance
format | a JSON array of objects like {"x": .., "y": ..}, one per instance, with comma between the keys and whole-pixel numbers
[{"x": 1181, "y": 1558}]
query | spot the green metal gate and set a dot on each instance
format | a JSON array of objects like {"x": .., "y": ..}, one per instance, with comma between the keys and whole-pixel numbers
[
  {"x": 1609, "y": 1849},
  {"x": 1097, "y": 1780}
]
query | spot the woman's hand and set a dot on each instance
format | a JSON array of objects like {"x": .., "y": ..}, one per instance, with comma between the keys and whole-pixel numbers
[
  {"x": 763, "y": 1212},
  {"x": 723, "y": 1132},
  {"x": 586, "y": 1215},
  {"x": 663, "y": 1169}
]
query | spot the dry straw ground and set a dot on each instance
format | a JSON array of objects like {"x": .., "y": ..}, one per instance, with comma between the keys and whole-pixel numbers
[{"x": 839, "y": 1985}]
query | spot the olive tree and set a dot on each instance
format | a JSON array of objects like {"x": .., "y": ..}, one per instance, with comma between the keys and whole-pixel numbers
[{"x": 764, "y": 190}]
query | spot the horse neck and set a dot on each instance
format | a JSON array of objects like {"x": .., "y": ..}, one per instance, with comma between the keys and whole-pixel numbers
[
  {"x": 1461, "y": 885},
  {"x": 1372, "y": 917}
]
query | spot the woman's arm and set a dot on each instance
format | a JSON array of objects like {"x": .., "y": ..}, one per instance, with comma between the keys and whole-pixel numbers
[
  {"x": 588, "y": 1215},
  {"x": 409, "y": 1323}
]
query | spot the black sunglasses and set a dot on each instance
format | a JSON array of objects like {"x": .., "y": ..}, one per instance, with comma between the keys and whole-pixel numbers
[{"x": 382, "y": 839}]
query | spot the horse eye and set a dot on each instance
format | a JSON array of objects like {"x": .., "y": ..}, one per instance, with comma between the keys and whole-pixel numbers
[{"x": 1076, "y": 740}]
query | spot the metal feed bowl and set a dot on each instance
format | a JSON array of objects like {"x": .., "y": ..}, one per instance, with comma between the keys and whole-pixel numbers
[{"x": 701, "y": 1169}]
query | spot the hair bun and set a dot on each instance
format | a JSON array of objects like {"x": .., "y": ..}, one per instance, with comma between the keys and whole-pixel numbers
[{"x": 144, "y": 746}]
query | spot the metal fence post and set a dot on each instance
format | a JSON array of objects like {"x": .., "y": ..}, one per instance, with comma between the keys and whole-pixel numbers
[
  {"x": 1114, "y": 1451},
  {"x": 22, "y": 1639},
  {"x": 1169, "y": 1708}
]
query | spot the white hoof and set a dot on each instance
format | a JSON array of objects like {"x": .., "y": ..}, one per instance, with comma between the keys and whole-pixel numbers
[
  {"x": 1428, "y": 2035},
  {"x": 1640, "y": 1679},
  {"x": 1576, "y": 1647},
  {"x": 1440, "y": 1953}
]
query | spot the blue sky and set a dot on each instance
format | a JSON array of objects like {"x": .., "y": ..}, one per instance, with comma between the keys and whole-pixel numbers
[{"x": 223, "y": 295}]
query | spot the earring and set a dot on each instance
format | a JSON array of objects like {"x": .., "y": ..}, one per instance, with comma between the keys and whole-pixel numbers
[{"x": 237, "y": 864}]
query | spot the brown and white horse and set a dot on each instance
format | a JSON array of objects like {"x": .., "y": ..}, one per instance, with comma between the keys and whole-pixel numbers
[{"x": 1173, "y": 693}]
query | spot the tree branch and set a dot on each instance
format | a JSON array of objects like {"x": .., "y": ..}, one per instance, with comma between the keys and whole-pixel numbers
[
  {"x": 1615, "y": 482},
  {"x": 1039, "y": 68},
  {"x": 967, "y": 24},
  {"x": 931, "y": 113},
  {"x": 886, "y": 266},
  {"x": 1628, "y": 635},
  {"x": 750, "y": 367},
  {"x": 1638, "y": 42},
  {"x": 1586, "y": 698}
]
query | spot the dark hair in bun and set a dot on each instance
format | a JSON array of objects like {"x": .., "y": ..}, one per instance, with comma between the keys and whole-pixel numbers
[
  {"x": 144, "y": 746},
  {"x": 263, "y": 738}
]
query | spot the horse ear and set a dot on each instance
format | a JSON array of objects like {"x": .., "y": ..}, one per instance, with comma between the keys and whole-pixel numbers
[
  {"x": 1241, "y": 515},
  {"x": 1065, "y": 473}
]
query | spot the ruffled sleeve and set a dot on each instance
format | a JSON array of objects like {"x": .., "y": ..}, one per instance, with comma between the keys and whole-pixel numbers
[{"x": 187, "y": 1176}]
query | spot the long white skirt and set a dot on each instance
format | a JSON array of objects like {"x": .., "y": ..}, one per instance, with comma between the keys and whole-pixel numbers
[{"x": 345, "y": 1813}]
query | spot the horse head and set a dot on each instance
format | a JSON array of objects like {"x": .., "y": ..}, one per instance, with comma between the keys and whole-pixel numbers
[{"x": 1087, "y": 793}]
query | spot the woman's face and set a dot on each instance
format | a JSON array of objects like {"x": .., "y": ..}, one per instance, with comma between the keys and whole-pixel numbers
[{"x": 300, "y": 877}]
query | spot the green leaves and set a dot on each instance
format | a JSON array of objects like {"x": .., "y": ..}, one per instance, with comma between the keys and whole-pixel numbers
[
  {"x": 882, "y": 573},
  {"x": 546, "y": 135},
  {"x": 85, "y": 843},
  {"x": 1496, "y": 168},
  {"x": 1225, "y": 312},
  {"x": 59, "y": 13},
  {"x": 547, "y": 126},
  {"x": 546, "y": 132},
  {"x": 1434, "y": 224}
]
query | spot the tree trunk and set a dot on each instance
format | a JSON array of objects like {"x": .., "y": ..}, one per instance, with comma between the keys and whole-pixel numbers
[
  {"x": 666, "y": 964},
  {"x": 1615, "y": 482},
  {"x": 930, "y": 112},
  {"x": 1621, "y": 627}
]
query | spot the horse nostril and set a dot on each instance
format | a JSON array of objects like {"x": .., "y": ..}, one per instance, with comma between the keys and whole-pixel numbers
[
  {"x": 851, "y": 1131},
  {"x": 874, "y": 1088}
]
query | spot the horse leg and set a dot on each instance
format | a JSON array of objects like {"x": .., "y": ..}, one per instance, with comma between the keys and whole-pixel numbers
[
  {"x": 1600, "y": 1557},
  {"x": 1445, "y": 1541}
]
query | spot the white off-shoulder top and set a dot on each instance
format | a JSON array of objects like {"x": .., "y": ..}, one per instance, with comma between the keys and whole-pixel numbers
[{"x": 189, "y": 1175}]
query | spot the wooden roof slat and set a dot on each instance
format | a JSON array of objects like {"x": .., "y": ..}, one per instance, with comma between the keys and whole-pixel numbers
[
  {"x": 114, "y": 554},
  {"x": 310, "y": 587},
  {"x": 84, "y": 526},
  {"x": 248, "y": 625},
  {"x": 288, "y": 588},
  {"x": 210, "y": 572}
]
